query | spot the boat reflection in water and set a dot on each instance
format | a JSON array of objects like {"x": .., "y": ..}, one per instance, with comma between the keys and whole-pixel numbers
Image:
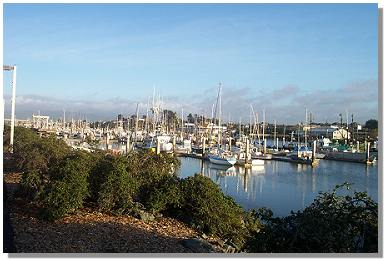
[{"x": 283, "y": 186}]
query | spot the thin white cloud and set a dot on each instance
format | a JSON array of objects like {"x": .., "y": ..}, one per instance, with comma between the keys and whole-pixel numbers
[{"x": 286, "y": 104}]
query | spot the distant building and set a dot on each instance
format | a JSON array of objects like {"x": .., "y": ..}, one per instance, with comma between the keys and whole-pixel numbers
[
  {"x": 19, "y": 122},
  {"x": 40, "y": 122},
  {"x": 329, "y": 132}
]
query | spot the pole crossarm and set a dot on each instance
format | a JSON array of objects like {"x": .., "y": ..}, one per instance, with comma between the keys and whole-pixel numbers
[{"x": 7, "y": 67}]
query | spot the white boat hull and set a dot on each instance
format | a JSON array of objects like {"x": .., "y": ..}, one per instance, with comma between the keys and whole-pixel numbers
[{"x": 222, "y": 161}]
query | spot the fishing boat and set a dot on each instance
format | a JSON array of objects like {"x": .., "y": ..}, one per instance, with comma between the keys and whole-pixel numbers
[
  {"x": 350, "y": 157},
  {"x": 302, "y": 160}
]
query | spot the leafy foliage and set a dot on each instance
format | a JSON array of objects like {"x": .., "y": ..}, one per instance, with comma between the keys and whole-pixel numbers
[
  {"x": 62, "y": 180},
  {"x": 31, "y": 186},
  {"x": 68, "y": 186},
  {"x": 211, "y": 211},
  {"x": 34, "y": 156},
  {"x": 165, "y": 196},
  {"x": 148, "y": 169},
  {"x": 371, "y": 124},
  {"x": 6, "y": 137},
  {"x": 331, "y": 223},
  {"x": 117, "y": 185}
]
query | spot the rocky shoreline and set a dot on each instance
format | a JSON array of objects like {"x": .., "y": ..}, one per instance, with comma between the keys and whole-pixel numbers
[{"x": 89, "y": 231}]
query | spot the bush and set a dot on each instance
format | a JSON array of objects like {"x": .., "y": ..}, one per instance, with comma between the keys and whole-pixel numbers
[
  {"x": 101, "y": 162},
  {"x": 165, "y": 196},
  {"x": 31, "y": 186},
  {"x": 211, "y": 211},
  {"x": 149, "y": 169},
  {"x": 6, "y": 138},
  {"x": 67, "y": 187},
  {"x": 117, "y": 185},
  {"x": 33, "y": 153},
  {"x": 333, "y": 224},
  {"x": 34, "y": 156}
]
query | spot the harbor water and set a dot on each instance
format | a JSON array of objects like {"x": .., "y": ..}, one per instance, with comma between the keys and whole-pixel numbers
[{"x": 283, "y": 186}]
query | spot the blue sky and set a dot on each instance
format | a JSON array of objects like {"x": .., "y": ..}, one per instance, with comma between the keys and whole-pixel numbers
[{"x": 100, "y": 59}]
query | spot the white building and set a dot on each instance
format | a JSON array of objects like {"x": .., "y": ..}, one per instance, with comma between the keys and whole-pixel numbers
[
  {"x": 40, "y": 122},
  {"x": 329, "y": 132}
]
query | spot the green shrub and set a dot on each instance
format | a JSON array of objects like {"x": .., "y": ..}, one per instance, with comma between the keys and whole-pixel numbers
[
  {"x": 34, "y": 156},
  {"x": 101, "y": 162},
  {"x": 211, "y": 211},
  {"x": 6, "y": 138},
  {"x": 149, "y": 169},
  {"x": 117, "y": 185},
  {"x": 31, "y": 186},
  {"x": 333, "y": 224},
  {"x": 165, "y": 196},
  {"x": 33, "y": 153},
  {"x": 67, "y": 187}
]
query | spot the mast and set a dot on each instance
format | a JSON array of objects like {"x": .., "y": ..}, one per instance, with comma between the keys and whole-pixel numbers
[
  {"x": 250, "y": 114},
  {"x": 146, "y": 123},
  {"x": 347, "y": 126},
  {"x": 255, "y": 120},
  {"x": 212, "y": 122},
  {"x": 220, "y": 115},
  {"x": 240, "y": 128},
  {"x": 136, "y": 122},
  {"x": 64, "y": 118},
  {"x": 181, "y": 134},
  {"x": 263, "y": 131},
  {"x": 259, "y": 139},
  {"x": 275, "y": 132},
  {"x": 305, "y": 127}
]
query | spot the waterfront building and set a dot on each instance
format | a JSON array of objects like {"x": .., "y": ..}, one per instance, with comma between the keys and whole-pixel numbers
[
  {"x": 40, "y": 122},
  {"x": 331, "y": 132}
]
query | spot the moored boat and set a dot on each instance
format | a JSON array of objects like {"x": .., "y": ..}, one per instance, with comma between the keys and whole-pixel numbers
[{"x": 222, "y": 160}]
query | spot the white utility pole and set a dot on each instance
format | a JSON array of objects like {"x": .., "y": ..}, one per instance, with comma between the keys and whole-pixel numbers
[{"x": 13, "y": 68}]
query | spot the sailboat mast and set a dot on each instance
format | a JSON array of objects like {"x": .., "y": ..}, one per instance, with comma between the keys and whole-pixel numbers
[
  {"x": 257, "y": 122},
  {"x": 263, "y": 131},
  {"x": 275, "y": 132},
  {"x": 305, "y": 127},
  {"x": 146, "y": 123},
  {"x": 136, "y": 122},
  {"x": 220, "y": 115},
  {"x": 182, "y": 125}
]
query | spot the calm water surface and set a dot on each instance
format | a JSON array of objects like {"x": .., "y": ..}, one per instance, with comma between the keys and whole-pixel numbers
[{"x": 283, "y": 186}]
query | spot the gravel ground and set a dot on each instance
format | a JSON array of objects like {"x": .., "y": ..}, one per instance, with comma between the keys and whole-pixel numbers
[{"x": 87, "y": 231}]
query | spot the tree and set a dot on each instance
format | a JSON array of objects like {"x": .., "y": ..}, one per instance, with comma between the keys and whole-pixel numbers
[
  {"x": 371, "y": 124},
  {"x": 190, "y": 118}
]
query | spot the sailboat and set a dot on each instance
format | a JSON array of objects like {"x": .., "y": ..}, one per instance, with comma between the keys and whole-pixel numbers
[
  {"x": 255, "y": 153},
  {"x": 220, "y": 156}
]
